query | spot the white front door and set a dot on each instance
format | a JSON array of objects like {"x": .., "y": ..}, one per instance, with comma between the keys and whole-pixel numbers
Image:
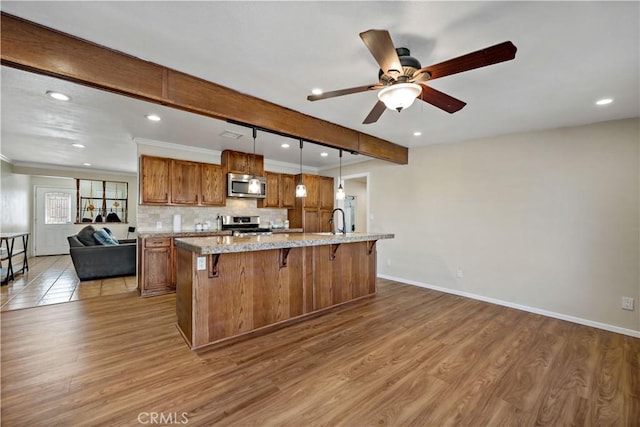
[{"x": 54, "y": 213}]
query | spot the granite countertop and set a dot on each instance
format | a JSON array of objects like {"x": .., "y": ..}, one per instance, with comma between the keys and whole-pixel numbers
[
  {"x": 208, "y": 233},
  {"x": 223, "y": 244}
]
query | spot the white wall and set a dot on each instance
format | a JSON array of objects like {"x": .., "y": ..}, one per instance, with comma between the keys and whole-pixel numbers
[
  {"x": 548, "y": 221},
  {"x": 15, "y": 200}
]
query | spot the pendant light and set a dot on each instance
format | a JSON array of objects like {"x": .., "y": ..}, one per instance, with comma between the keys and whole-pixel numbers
[
  {"x": 301, "y": 189},
  {"x": 340, "y": 193},
  {"x": 254, "y": 184}
]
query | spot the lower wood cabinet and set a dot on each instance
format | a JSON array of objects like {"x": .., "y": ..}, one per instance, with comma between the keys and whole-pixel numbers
[{"x": 156, "y": 272}]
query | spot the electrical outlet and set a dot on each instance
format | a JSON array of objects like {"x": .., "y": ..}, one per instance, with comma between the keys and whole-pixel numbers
[
  {"x": 459, "y": 274},
  {"x": 627, "y": 303},
  {"x": 388, "y": 261},
  {"x": 202, "y": 263},
  {"x": 158, "y": 224}
]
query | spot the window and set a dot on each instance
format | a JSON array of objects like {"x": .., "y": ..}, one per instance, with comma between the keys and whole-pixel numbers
[
  {"x": 102, "y": 201},
  {"x": 57, "y": 208}
]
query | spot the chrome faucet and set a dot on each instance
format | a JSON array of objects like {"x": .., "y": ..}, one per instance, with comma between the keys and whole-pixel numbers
[{"x": 344, "y": 225}]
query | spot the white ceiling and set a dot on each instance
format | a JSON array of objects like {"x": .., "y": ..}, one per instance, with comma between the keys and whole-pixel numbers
[{"x": 570, "y": 54}]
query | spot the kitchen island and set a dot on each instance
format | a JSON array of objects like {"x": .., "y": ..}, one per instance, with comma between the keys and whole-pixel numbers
[{"x": 229, "y": 287}]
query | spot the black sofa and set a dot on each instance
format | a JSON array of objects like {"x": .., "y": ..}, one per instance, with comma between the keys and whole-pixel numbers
[{"x": 96, "y": 261}]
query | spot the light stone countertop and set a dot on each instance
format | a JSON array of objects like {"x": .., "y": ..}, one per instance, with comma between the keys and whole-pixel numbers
[
  {"x": 225, "y": 244},
  {"x": 208, "y": 233}
]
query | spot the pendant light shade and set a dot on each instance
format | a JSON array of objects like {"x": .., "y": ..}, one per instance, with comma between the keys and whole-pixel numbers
[
  {"x": 254, "y": 184},
  {"x": 301, "y": 189},
  {"x": 340, "y": 193}
]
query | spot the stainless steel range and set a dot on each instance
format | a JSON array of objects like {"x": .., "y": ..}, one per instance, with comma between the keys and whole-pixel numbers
[{"x": 244, "y": 225}]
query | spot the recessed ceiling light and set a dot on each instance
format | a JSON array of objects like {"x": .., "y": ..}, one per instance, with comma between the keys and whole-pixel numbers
[
  {"x": 153, "y": 117},
  {"x": 324, "y": 154},
  {"x": 78, "y": 145},
  {"x": 285, "y": 145},
  {"x": 417, "y": 133},
  {"x": 57, "y": 95},
  {"x": 604, "y": 101},
  {"x": 86, "y": 164},
  {"x": 316, "y": 91}
]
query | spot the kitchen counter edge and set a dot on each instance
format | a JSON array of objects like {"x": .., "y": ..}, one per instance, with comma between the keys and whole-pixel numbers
[
  {"x": 226, "y": 244},
  {"x": 181, "y": 234}
]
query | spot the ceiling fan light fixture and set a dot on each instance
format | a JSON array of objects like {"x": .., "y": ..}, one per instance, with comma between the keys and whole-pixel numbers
[{"x": 399, "y": 96}]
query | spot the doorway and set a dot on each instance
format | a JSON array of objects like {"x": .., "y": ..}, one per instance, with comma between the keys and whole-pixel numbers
[
  {"x": 356, "y": 203},
  {"x": 53, "y": 220}
]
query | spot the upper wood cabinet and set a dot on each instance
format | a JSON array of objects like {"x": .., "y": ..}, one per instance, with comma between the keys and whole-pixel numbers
[
  {"x": 166, "y": 181},
  {"x": 154, "y": 180},
  {"x": 280, "y": 191},
  {"x": 244, "y": 163},
  {"x": 312, "y": 213},
  {"x": 213, "y": 185},
  {"x": 287, "y": 191},
  {"x": 325, "y": 192},
  {"x": 185, "y": 182}
]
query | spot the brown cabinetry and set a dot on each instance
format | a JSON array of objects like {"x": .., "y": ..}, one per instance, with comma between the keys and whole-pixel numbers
[
  {"x": 244, "y": 163},
  {"x": 154, "y": 180},
  {"x": 280, "y": 191},
  {"x": 166, "y": 181},
  {"x": 312, "y": 213},
  {"x": 185, "y": 182},
  {"x": 155, "y": 256},
  {"x": 213, "y": 185}
]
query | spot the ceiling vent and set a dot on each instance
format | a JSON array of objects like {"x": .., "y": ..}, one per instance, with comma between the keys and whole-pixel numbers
[{"x": 230, "y": 134}]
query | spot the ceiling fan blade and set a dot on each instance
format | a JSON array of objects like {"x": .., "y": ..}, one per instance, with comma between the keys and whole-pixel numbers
[
  {"x": 381, "y": 47},
  {"x": 375, "y": 113},
  {"x": 481, "y": 58},
  {"x": 440, "y": 100},
  {"x": 341, "y": 92}
]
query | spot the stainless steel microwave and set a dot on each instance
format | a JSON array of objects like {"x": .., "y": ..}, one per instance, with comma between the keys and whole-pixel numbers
[{"x": 238, "y": 186}]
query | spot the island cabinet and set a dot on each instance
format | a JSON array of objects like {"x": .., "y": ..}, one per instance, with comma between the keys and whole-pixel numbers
[
  {"x": 281, "y": 189},
  {"x": 238, "y": 293},
  {"x": 312, "y": 213},
  {"x": 165, "y": 181}
]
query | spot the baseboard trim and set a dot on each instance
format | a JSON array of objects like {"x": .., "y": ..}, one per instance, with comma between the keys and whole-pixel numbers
[{"x": 581, "y": 321}]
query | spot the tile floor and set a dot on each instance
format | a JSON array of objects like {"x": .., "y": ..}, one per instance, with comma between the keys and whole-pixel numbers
[{"x": 53, "y": 280}]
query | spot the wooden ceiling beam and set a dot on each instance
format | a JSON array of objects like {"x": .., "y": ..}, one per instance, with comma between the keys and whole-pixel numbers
[{"x": 35, "y": 48}]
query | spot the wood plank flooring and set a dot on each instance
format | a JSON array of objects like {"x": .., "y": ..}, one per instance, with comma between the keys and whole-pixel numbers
[
  {"x": 408, "y": 357},
  {"x": 53, "y": 280}
]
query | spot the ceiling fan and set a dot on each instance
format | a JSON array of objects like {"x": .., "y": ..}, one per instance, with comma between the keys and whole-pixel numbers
[{"x": 401, "y": 76}]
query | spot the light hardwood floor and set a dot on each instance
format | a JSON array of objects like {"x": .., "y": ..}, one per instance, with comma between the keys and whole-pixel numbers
[
  {"x": 53, "y": 280},
  {"x": 408, "y": 357}
]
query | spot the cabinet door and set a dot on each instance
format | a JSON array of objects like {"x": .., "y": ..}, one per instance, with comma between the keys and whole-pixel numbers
[
  {"x": 185, "y": 182},
  {"x": 158, "y": 271},
  {"x": 154, "y": 180},
  {"x": 273, "y": 188},
  {"x": 255, "y": 164},
  {"x": 311, "y": 218},
  {"x": 213, "y": 185},
  {"x": 311, "y": 182},
  {"x": 235, "y": 162},
  {"x": 325, "y": 192},
  {"x": 287, "y": 191},
  {"x": 324, "y": 216}
]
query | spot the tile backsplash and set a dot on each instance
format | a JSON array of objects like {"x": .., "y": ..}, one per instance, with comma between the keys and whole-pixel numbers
[{"x": 150, "y": 216}]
